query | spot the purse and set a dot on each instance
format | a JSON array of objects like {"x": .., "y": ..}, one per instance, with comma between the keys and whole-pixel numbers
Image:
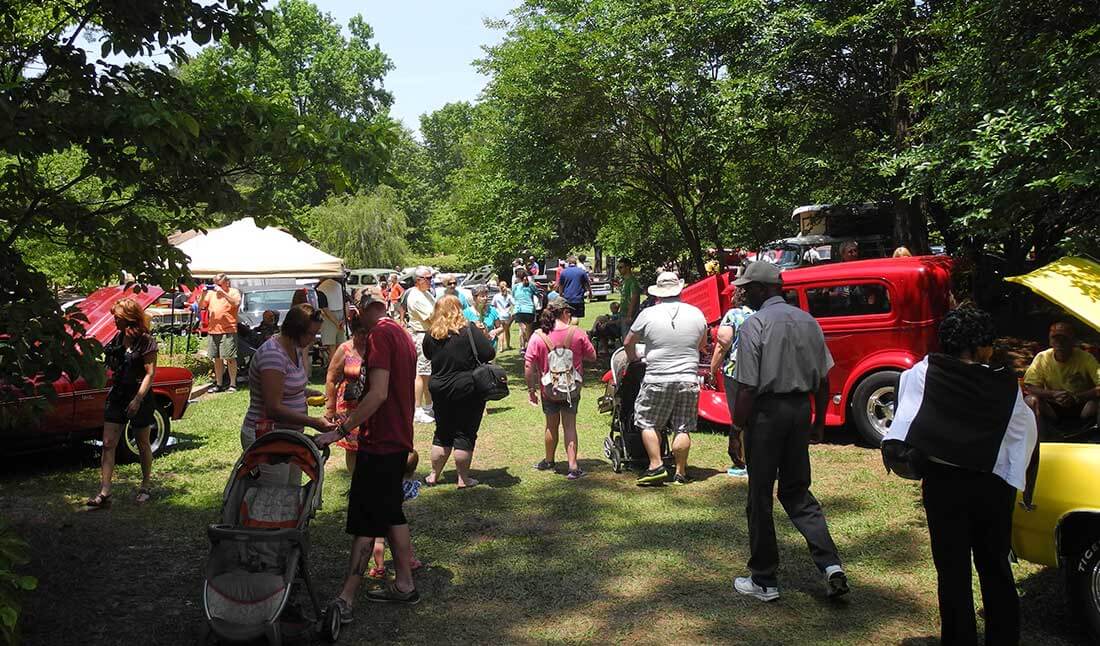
[{"x": 490, "y": 380}]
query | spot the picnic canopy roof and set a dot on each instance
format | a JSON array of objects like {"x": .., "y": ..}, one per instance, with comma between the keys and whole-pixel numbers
[
  {"x": 1072, "y": 282},
  {"x": 243, "y": 249}
]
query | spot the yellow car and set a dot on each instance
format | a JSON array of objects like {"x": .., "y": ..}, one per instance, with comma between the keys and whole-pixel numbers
[{"x": 1063, "y": 529}]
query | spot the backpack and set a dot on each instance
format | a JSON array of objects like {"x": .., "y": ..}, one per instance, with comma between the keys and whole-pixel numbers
[{"x": 561, "y": 382}]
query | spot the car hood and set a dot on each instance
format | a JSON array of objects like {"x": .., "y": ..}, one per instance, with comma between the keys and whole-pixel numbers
[
  {"x": 97, "y": 307},
  {"x": 1071, "y": 282}
]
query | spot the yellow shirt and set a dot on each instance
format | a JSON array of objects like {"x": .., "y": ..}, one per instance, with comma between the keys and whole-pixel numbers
[{"x": 1080, "y": 373}]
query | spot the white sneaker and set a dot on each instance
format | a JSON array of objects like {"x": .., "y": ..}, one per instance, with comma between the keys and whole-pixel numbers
[
  {"x": 420, "y": 417},
  {"x": 746, "y": 586}
]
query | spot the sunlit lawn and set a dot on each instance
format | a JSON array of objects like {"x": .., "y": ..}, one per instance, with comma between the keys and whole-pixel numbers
[{"x": 528, "y": 557}]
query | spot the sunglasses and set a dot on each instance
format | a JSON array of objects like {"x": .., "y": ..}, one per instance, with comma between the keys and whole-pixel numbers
[{"x": 451, "y": 284}]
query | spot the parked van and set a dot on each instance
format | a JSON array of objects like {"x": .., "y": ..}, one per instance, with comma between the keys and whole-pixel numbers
[
  {"x": 879, "y": 318},
  {"x": 372, "y": 280}
]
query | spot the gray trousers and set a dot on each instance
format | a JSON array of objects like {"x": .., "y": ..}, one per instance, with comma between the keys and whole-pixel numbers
[{"x": 777, "y": 444}]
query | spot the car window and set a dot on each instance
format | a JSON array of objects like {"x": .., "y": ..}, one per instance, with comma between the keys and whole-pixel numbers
[
  {"x": 848, "y": 300},
  {"x": 269, "y": 300},
  {"x": 368, "y": 279},
  {"x": 353, "y": 279},
  {"x": 791, "y": 296}
]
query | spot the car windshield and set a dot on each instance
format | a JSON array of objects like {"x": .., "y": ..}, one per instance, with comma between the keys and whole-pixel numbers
[
  {"x": 784, "y": 256},
  {"x": 278, "y": 299}
]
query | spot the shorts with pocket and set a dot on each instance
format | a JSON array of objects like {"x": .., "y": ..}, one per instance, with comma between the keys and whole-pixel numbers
[
  {"x": 221, "y": 346},
  {"x": 550, "y": 407},
  {"x": 671, "y": 406},
  {"x": 377, "y": 495},
  {"x": 423, "y": 364},
  {"x": 118, "y": 400}
]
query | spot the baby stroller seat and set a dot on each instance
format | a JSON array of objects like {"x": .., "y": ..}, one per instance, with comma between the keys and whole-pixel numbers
[
  {"x": 259, "y": 550},
  {"x": 623, "y": 445}
]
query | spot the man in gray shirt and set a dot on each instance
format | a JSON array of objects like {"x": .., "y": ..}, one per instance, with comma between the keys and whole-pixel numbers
[
  {"x": 674, "y": 334},
  {"x": 782, "y": 360}
]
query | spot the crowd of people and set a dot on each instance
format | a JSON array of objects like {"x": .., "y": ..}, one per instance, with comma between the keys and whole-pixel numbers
[{"x": 411, "y": 357}]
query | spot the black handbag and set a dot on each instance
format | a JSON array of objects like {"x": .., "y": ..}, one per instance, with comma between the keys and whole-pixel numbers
[{"x": 490, "y": 380}]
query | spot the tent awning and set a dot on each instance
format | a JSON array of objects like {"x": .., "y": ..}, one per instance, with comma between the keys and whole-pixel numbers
[
  {"x": 1072, "y": 282},
  {"x": 243, "y": 249}
]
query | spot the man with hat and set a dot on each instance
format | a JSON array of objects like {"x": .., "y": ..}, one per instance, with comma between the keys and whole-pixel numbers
[
  {"x": 782, "y": 361},
  {"x": 674, "y": 333}
]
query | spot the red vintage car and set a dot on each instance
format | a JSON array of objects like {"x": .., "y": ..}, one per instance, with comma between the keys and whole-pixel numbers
[
  {"x": 879, "y": 318},
  {"x": 77, "y": 414}
]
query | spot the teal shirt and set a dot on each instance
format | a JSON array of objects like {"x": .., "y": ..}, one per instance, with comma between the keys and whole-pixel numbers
[
  {"x": 524, "y": 295},
  {"x": 489, "y": 319},
  {"x": 734, "y": 318}
]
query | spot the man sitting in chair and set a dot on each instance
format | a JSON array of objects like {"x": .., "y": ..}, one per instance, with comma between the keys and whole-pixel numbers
[{"x": 1063, "y": 383}]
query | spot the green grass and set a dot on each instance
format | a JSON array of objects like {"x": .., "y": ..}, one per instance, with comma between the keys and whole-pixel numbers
[{"x": 527, "y": 558}]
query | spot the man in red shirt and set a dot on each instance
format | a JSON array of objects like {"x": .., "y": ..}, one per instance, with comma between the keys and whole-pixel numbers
[{"x": 374, "y": 504}]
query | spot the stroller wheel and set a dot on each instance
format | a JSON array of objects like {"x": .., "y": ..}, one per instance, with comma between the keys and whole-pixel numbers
[
  {"x": 608, "y": 447},
  {"x": 330, "y": 623},
  {"x": 618, "y": 455}
]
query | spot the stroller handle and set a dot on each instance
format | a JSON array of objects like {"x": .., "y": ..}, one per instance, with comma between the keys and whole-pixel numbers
[{"x": 221, "y": 532}]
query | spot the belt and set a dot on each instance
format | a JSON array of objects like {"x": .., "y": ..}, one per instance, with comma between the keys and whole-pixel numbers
[{"x": 791, "y": 395}]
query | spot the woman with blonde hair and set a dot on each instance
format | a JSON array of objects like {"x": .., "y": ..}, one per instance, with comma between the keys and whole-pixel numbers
[
  {"x": 132, "y": 358},
  {"x": 455, "y": 347}
]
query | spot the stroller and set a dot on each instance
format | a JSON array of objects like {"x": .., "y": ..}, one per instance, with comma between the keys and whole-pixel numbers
[
  {"x": 623, "y": 445},
  {"x": 260, "y": 549}
]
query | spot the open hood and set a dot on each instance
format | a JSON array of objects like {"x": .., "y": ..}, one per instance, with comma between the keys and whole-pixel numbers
[
  {"x": 97, "y": 307},
  {"x": 1072, "y": 282}
]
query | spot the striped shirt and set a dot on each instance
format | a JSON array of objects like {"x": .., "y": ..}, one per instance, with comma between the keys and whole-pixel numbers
[{"x": 272, "y": 356}]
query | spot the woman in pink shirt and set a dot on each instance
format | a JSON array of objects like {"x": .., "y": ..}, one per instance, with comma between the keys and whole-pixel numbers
[{"x": 553, "y": 367}]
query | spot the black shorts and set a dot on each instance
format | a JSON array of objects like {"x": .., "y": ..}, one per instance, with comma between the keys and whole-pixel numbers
[
  {"x": 577, "y": 309},
  {"x": 525, "y": 317},
  {"x": 374, "y": 504},
  {"x": 457, "y": 423},
  {"x": 118, "y": 399}
]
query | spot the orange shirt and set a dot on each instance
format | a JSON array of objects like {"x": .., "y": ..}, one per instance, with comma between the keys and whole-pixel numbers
[
  {"x": 393, "y": 293},
  {"x": 223, "y": 311}
]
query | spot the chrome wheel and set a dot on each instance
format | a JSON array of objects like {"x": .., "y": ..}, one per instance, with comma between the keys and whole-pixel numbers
[
  {"x": 158, "y": 436},
  {"x": 880, "y": 409}
]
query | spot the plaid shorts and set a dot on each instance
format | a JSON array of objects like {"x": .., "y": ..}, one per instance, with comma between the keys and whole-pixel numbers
[{"x": 672, "y": 406}]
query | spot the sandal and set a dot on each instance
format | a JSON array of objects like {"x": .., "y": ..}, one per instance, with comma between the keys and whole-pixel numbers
[
  {"x": 100, "y": 501},
  {"x": 143, "y": 491},
  {"x": 377, "y": 573}
]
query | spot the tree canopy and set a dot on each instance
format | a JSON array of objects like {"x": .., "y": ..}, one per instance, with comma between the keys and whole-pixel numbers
[{"x": 105, "y": 159}]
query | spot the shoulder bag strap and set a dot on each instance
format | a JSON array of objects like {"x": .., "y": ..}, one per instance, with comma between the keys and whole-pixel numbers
[{"x": 473, "y": 348}]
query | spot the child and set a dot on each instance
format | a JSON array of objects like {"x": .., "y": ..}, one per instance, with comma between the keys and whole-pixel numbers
[
  {"x": 606, "y": 329},
  {"x": 411, "y": 487}
]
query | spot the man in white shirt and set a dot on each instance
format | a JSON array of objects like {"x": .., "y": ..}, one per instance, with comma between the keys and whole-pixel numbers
[
  {"x": 421, "y": 305},
  {"x": 674, "y": 333}
]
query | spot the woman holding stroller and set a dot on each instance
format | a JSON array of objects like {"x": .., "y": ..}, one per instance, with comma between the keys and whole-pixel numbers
[
  {"x": 345, "y": 385},
  {"x": 558, "y": 335},
  {"x": 277, "y": 379},
  {"x": 451, "y": 345},
  {"x": 132, "y": 357}
]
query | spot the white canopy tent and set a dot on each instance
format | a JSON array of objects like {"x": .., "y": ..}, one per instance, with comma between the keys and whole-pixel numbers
[{"x": 243, "y": 250}]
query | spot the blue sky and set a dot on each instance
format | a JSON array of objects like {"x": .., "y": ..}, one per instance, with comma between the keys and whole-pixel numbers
[{"x": 432, "y": 43}]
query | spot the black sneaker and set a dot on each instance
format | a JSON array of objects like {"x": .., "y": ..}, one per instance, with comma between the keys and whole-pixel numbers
[
  {"x": 544, "y": 465},
  {"x": 390, "y": 594},
  {"x": 836, "y": 583},
  {"x": 652, "y": 476},
  {"x": 680, "y": 480}
]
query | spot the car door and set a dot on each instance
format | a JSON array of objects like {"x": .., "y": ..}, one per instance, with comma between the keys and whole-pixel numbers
[
  {"x": 88, "y": 403},
  {"x": 58, "y": 417}
]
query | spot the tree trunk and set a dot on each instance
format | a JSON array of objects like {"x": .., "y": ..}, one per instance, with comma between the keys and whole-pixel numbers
[{"x": 910, "y": 224}]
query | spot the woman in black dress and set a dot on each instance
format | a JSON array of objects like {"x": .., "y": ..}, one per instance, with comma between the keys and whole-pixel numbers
[
  {"x": 458, "y": 408},
  {"x": 132, "y": 357}
]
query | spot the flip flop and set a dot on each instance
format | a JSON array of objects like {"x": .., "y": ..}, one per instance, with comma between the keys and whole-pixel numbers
[
  {"x": 470, "y": 486},
  {"x": 99, "y": 501},
  {"x": 143, "y": 491}
]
